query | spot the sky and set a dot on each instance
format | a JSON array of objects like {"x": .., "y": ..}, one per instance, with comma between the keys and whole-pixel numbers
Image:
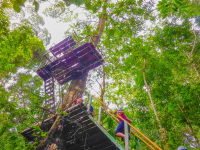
[{"x": 54, "y": 26}]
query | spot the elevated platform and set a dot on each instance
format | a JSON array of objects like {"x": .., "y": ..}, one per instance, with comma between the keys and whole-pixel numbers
[
  {"x": 72, "y": 61},
  {"x": 80, "y": 132}
]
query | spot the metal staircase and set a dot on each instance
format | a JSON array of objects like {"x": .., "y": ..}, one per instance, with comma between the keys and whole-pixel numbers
[{"x": 79, "y": 130}]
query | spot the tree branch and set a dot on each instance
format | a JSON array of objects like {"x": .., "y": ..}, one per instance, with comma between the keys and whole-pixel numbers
[
  {"x": 194, "y": 41},
  {"x": 99, "y": 84},
  {"x": 149, "y": 92}
]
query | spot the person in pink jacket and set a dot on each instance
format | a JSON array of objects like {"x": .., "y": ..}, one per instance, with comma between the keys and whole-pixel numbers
[{"x": 120, "y": 128}]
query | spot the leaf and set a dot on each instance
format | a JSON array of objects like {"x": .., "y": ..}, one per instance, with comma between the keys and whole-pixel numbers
[
  {"x": 16, "y": 6},
  {"x": 36, "y": 5},
  {"x": 64, "y": 113},
  {"x": 44, "y": 134},
  {"x": 37, "y": 128}
]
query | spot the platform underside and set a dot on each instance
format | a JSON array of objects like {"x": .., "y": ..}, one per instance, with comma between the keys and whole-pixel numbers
[
  {"x": 79, "y": 131},
  {"x": 72, "y": 63}
]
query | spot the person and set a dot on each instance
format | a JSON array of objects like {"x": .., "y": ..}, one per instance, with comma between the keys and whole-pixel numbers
[
  {"x": 120, "y": 128},
  {"x": 91, "y": 110},
  {"x": 78, "y": 101},
  {"x": 181, "y": 148}
]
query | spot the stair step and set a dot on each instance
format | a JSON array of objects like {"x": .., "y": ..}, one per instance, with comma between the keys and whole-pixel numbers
[
  {"x": 49, "y": 92},
  {"x": 48, "y": 84}
]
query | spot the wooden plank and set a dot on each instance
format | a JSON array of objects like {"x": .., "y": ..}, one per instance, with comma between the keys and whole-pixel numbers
[
  {"x": 69, "y": 71},
  {"x": 66, "y": 67},
  {"x": 94, "y": 65},
  {"x": 64, "y": 48},
  {"x": 65, "y": 80},
  {"x": 85, "y": 49},
  {"x": 80, "y": 48},
  {"x": 63, "y": 62}
]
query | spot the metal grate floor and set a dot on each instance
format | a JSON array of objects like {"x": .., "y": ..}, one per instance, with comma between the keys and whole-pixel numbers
[{"x": 79, "y": 131}]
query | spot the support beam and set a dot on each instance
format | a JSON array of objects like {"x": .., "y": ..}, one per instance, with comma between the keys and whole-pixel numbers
[
  {"x": 99, "y": 120},
  {"x": 126, "y": 135}
]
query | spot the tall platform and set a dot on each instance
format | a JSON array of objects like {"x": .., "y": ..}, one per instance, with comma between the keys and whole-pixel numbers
[
  {"x": 79, "y": 130},
  {"x": 67, "y": 61},
  {"x": 70, "y": 61}
]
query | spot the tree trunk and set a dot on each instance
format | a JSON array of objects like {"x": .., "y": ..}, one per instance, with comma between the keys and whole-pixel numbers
[
  {"x": 161, "y": 130},
  {"x": 74, "y": 92}
]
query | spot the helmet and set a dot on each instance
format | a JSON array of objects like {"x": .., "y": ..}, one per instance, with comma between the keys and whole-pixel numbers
[
  {"x": 120, "y": 109},
  {"x": 182, "y": 148}
]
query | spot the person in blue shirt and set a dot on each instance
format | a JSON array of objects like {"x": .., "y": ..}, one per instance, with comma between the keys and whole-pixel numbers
[{"x": 91, "y": 110}]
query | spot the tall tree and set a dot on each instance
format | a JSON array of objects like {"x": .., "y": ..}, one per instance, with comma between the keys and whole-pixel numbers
[
  {"x": 163, "y": 93},
  {"x": 77, "y": 86}
]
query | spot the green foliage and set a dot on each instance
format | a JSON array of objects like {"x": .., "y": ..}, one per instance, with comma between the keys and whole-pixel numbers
[
  {"x": 17, "y": 4},
  {"x": 170, "y": 49},
  {"x": 19, "y": 101},
  {"x": 184, "y": 9},
  {"x": 16, "y": 47}
]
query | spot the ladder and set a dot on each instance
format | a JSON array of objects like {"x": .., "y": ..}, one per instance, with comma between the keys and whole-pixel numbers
[{"x": 49, "y": 91}]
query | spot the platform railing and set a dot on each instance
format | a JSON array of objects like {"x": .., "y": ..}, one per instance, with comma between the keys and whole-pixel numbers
[{"x": 134, "y": 131}]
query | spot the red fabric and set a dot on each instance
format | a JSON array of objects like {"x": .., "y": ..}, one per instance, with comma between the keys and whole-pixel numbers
[
  {"x": 79, "y": 101},
  {"x": 123, "y": 116}
]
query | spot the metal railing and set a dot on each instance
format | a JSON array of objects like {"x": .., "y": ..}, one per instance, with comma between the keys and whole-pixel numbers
[{"x": 134, "y": 131}]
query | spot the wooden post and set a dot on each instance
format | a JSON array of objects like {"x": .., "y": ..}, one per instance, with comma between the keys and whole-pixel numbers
[
  {"x": 99, "y": 120},
  {"x": 126, "y": 135}
]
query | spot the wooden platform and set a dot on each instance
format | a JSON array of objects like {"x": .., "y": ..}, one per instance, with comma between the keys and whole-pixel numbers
[
  {"x": 80, "y": 132},
  {"x": 68, "y": 66}
]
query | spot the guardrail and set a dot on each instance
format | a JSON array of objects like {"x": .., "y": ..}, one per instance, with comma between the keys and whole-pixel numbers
[{"x": 136, "y": 130}]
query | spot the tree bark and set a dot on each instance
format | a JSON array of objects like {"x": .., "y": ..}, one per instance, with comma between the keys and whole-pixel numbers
[
  {"x": 161, "y": 130},
  {"x": 75, "y": 90}
]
